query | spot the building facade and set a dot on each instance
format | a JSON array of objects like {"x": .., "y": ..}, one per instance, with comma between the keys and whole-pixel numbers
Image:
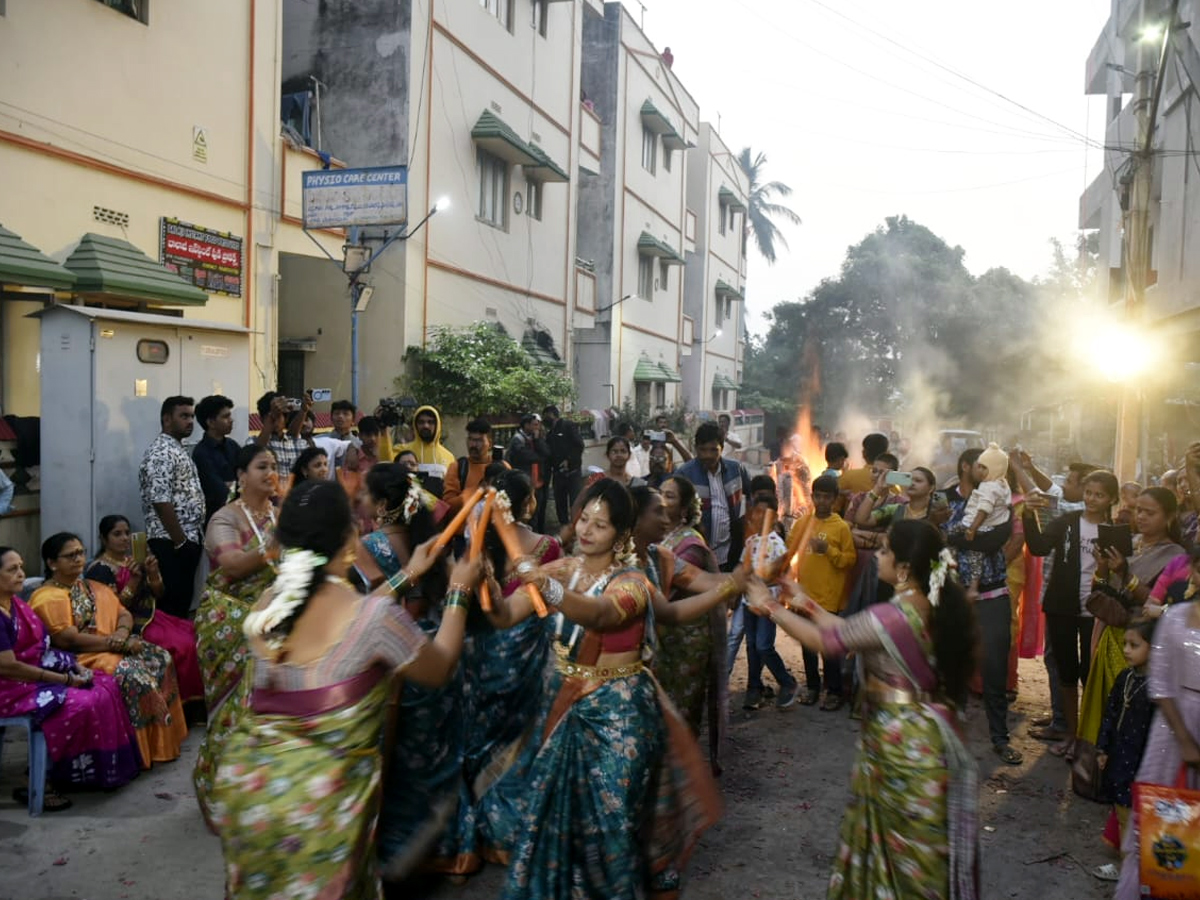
[
  {"x": 144, "y": 174},
  {"x": 714, "y": 277}
]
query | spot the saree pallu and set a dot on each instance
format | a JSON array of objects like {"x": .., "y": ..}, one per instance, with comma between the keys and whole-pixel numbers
[
  {"x": 296, "y": 796},
  {"x": 910, "y": 830},
  {"x": 690, "y": 659},
  {"x": 504, "y": 673},
  {"x": 89, "y": 739},
  {"x": 225, "y": 664},
  {"x": 149, "y": 687},
  {"x": 424, "y": 748}
]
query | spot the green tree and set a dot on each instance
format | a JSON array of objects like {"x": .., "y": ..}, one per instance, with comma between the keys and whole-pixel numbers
[
  {"x": 480, "y": 370},
  {"x": 763, "y": 211}
]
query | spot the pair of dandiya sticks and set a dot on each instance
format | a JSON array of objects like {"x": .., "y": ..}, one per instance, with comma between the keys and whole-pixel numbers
[
  {"x": 507, "y": 530},
  {"x": 797, "y": 547}
]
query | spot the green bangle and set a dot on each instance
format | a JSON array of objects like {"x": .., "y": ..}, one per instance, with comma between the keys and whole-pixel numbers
[
  {"x": 457, "y": 599},
  {"x": 400, "y": 582}
]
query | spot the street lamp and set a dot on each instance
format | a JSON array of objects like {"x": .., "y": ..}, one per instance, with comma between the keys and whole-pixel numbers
[
  {"x": 357, "y": 262},
  {"x": 716, "y": 334}
]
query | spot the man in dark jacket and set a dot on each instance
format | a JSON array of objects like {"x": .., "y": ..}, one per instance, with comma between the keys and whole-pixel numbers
[
  {"x": 528, "y": 453},
  {"x": 723, "y": 486},
  {"x": 1072, "y": 538},
  {"x": 566, "y": 460}
]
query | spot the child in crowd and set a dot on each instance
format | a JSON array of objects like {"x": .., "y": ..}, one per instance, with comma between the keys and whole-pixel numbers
[
  {"x": 1123, "y": 736},
  {"x": 988, "y": 507},
  {"x": 836, "y": 458},
  {"x": 822, "y": 571},
  {"x": 1130, "y": 491},
  {"x": 759, "y": 631}
]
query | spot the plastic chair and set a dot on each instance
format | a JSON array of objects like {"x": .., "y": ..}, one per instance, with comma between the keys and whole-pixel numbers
[{"x": 37, "y": 760}]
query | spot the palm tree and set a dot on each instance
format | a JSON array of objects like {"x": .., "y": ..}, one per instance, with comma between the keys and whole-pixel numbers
[{"x": 762, "y": 210}]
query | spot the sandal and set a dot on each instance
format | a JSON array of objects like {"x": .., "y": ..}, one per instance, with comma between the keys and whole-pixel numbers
[
  {"x": 833, "y": 702},
  {"x": 1008, "y": 755},
  {"x": 1064, "y": 750},
  {"x": 52, "y": 800},
  {"x": 1055, "y": 735},
  {"x": 1107, "y": 872},
  {"x": 810, "y": 698}
]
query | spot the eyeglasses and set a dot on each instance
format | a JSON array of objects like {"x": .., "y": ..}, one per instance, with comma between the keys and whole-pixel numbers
[{"x": 74, "y": 554}]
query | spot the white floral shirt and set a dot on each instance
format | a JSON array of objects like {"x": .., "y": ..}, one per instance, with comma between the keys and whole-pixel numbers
[{"x": 168, "y": 475}]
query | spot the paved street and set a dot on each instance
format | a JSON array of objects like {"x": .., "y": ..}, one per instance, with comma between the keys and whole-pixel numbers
[{"x": 785, "y": 788}]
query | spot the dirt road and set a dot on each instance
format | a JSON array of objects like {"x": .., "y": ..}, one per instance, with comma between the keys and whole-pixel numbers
[{"x": 785, "y": 786}]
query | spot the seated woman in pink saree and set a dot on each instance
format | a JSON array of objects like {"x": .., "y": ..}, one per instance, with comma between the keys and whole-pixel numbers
[
  {"x": 89, "y": 739},
  {"x": 139, "y": 588}
]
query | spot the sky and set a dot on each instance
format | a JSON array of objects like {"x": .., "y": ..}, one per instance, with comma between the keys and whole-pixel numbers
[{"x": 859, "y": 109}]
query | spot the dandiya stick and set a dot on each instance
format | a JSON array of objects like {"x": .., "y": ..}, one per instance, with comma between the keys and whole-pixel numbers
[
  {"x": 512, "y": 547},
  {"x": 797, "y": 546},
  {"x": 477, "y": 535},
  {"x": 768, "y": 523},
  {"x": 457, "y": 523}
]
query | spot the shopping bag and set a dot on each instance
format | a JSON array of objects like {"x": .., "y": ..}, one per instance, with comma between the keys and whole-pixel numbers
[{"x": 1168, "y": 839}]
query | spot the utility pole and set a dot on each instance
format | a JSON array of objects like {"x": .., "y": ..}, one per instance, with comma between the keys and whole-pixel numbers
[{"x": 1140, "y": 181}]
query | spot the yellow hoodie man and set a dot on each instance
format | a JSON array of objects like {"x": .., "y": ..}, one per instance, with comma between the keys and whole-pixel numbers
[{"x": 433, "y": 460}]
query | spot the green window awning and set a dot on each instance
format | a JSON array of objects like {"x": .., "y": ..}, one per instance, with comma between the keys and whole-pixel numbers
[
  {"x": 726, "y": 197},
  {"x": 649, "y": 370},
  {"x": 728, "y": 290},
  {"x": 496, "y": 137},
  {"x": 657, "y": 122},
  {"x": 104, "y": 265},
  {"x": 545, "y": 169},
  {"x": 649, "y": 245},
  {"x": 542, "y": 351},
  {"x": 724, "y": 383},
  {"x": 26, "y": 265}
]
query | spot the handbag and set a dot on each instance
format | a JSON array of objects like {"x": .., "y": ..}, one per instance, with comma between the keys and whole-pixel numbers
[
  {"x": 1086, "y": 772},
  {"x": 1168, "y": 834},
  {"x": 1106, "y": 606}
]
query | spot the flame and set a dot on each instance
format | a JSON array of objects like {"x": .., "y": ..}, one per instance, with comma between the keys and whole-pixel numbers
[{"x": 804, "y": 442}]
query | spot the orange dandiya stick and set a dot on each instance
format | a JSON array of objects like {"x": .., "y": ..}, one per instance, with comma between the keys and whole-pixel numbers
[
  {"x": 768, "y": 523},
  {"x": 512, "y": 547},
  {"x": 477, "y": 534},
  {"x": 457, "y": 523}
]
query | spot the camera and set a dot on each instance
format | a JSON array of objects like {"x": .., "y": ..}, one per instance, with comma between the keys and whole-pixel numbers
[
  {"x": 390, "y": 413},
  {"x": 292, "y": 404}
]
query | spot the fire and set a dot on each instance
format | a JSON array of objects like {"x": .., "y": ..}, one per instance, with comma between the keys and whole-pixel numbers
[{"x": 802, "y": 452}]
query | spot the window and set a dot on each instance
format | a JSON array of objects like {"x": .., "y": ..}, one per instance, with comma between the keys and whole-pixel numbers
[
  {"x": 540, "y": 9},
  {"x": 728, "y": 307},
  {"x": 135, "y": 9},
  {"x": 501, "y": 9},
  {"x": 492, "y": 173},
  {"x": 663, "y": 271},
  {"x": 641, "y": 394},
  {"x": 667, "y": 158},
  {"x": 732, "y": 219},
  {"x": 660, "y": 394},
  {"x": 645, "y": 277},
  {"x": 649, "y": 149},
  {"x": 721, "y": 219},
  {"x": 533, "y": 198}
]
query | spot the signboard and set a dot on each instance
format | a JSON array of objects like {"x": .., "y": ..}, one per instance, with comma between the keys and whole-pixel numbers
[
  {"x": 341, "y": 198},
  {"x": 211, "y": 260}
]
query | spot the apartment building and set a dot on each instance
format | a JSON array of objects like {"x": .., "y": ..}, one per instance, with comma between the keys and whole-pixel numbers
[
  {"x": 634, "y": 225},
  {"x": 713, "y": 337},
  {"x": 481, "y": 101},
  {"x": 143, "y": 173}
]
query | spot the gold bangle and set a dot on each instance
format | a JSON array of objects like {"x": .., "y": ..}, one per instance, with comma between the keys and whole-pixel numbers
[
  {"x": 458, "y": 586},
  {"x": 1132, "y": 584}
]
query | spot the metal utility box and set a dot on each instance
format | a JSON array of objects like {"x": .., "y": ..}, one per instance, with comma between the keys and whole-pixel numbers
[{"x": 104, "y": 376}]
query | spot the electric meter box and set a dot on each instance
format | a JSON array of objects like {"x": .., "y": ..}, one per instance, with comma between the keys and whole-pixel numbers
[{"x": 104, "y": 376}]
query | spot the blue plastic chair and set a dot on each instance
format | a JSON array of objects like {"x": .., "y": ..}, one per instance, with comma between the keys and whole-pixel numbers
[{"x": 37, "y": 760}]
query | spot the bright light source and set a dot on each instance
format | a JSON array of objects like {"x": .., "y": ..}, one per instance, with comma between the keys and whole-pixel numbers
[
  {"x": 1152, "y": 33},
  {"x": 717, "y": 333},
  {"x": 443, "y": 204},
  {"x": 1118, "y": 351}
]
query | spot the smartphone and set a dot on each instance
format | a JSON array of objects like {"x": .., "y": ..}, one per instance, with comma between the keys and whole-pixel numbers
[
  {"x": 939, "y": 500},
  {"x": 138, "y": 540},
  {"x": 1118, "y": 537},
  {"x": 899, "y": 479},
  {"x": 659, "y": 437},
  {"x": 292, "y": 404}
]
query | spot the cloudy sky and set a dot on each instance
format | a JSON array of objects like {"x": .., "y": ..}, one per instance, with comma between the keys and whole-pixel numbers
[{"x": 859, "y": 110}]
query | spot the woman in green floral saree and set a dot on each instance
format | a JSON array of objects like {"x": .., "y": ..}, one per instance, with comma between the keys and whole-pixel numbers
[
  {"x": 296, "y": 795},
  {"x": 238, "y": 539}
]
